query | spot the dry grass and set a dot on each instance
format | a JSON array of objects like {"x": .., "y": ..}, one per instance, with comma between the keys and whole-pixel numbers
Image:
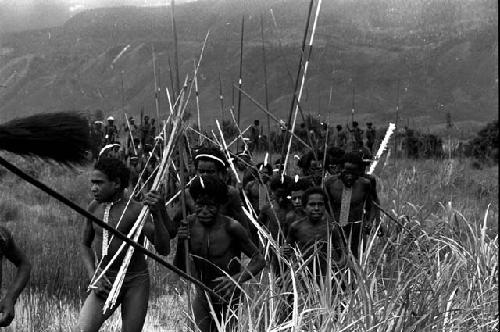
[{"x": 438, "y": 273}]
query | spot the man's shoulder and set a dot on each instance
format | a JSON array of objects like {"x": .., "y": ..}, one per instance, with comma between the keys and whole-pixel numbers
[
  {"x": 233, "y": 227},
  {"x": 299, "y": 222}
]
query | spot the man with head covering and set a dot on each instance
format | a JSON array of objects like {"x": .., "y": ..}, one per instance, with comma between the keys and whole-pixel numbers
[
  {"x": 110, "y": 131},
  {"x": 211, "y": 161}
]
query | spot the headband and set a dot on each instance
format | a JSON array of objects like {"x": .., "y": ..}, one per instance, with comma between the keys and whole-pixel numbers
[{"x": 209, "y": 156}]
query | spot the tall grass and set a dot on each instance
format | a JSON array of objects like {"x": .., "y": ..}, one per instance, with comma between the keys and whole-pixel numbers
[{"x": 437, "y": 273}]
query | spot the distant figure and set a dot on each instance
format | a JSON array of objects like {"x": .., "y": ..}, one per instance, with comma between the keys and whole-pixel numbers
[
  {"x": 110, "y": 131},
  {"x": 97, "y": 138},
  {"x": 15, "y": 255},
  {"x": 255, "y": 136},
  {"x": 145, "y": 131},
  {"x": 341, "y": 137},
  {"x": 134, "y": 136},
  {"x": 370, "y": 134},
  {"x": 357, "y": 136}
]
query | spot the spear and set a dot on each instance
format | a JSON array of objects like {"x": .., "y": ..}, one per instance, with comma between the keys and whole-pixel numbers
[
  {"x": 265, "y": 81},
  {"x": 221, "y": 99},
  {"x": 240, "y": 80},
  {"x": 176, "y": 55},
  {"x": 353, "y": 105},
  {"x": 197, "y": 102},
  {"x": 299, "y": 69},
  {"x": 187, "y": 260},
  {"x": 306, "y": 65},
  {"x": 157, "y": 95}
]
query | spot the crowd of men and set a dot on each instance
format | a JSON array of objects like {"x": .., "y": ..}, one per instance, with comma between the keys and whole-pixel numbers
[
  {"x": 329, "y": 201},
  {"x": 315, "y": 135},
  {"x": 329, "y": 198}
]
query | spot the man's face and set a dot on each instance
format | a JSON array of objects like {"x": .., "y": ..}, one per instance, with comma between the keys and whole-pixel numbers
[
  {"x": 102, "y": 188},
  {"x": 316, "y": 168},
  {"x": 349, "y": 174},
  {"x": 146, "y": 119},
  {"x": 206, "y": 210},
  {"x": 315, "y": 207},
  {"x": 297, "y": 198},
  {"x": 206, "y": 167}
]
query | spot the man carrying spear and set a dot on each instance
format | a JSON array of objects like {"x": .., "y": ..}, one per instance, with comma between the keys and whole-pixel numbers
[
  {"x": 109, "y": 180},
  {"x": 211, "y": 161},
  {"x": 216, "y": 243}
]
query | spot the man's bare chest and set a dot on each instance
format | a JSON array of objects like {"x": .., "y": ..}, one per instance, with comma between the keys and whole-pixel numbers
[{"x": 210, "y": 243}]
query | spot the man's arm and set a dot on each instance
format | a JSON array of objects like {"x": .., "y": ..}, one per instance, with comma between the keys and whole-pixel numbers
[
  {"x": 86, "y": 252},
  {"x": 226, "y": 286},
  {"x": 19, "y": 259},
  {"x": 156, "y": 231}
]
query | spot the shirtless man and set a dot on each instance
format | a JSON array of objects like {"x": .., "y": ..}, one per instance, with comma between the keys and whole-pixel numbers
[
  {"x": 109, "y": 180},
  {"x": 351, "y": 199},
  {"x": 215, "y": 243},
  {"x": 297, "y": 190},
  {"x": 211, "y": 161},
  {"x": 9, "y": 249},
  {"x": 311, "y": 231}
]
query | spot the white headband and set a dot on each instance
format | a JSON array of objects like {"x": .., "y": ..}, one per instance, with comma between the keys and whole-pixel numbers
[{"x": 209, "y": 156}]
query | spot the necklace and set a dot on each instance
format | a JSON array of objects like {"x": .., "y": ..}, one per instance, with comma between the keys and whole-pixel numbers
[{"x": 105, "y": 233}]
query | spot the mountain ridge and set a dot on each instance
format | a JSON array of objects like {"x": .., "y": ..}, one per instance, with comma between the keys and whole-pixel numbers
[{"x": 448, "y": 61}]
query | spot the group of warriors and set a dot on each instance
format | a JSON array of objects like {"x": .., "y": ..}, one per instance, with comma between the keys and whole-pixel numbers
[
  {"x": 348, "y": 137},
  {"x": 221, "y": 208},
  {"x": 221, "y": 212}
]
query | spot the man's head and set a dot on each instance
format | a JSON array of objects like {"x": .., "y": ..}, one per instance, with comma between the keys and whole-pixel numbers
[
  {"x": 280, "y": 190},
  {"x": 314, "y": 203},
  {"x": 209, "y": 193},
  {"x": 353, "y": 164},
  {"x": 108, "y": 179},
  {"x": 297, "y": 190},
  {"x": 210, "y": 161},
  {"x": 369, "y": 124},
  {"x": 256, "y": 122},
  {"x": 111, "y": 120},
  {"x": 355, "y": 124},
  {"x": 336, "y": 159},
  {"x": 131, "y": 120},
  {"x": 146, "y": 119},
  {"x": 339, "y": 127}
]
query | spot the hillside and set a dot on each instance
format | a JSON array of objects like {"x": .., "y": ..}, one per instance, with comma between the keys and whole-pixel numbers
[{"x": 442, "y": 52}]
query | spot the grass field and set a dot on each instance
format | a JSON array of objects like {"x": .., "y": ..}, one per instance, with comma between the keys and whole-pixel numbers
[{"x": 439, "y": 272}]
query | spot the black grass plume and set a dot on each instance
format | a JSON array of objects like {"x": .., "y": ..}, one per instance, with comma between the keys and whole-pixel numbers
[{"x": 62, "y": 137}]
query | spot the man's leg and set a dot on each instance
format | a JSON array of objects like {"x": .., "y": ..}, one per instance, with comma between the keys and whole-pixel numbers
[
  {"x": 201, "y": 310},
  {"x": 135, "y": 303},
  {"x": 91, "y": 316}
]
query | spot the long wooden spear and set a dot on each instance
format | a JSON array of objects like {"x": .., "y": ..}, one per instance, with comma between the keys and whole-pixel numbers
[
  {"x": 176, "y": 51},
  {"x": 265, "y": 81},
  {"x": 240, "y": 80},
  {"x": 197, "y": 103},
  {"x": 157, "y": 91},
  {"x": 221, "y": 99},
  {"x": 306, "y": 65},
  {"x": 299, "y": 69}
]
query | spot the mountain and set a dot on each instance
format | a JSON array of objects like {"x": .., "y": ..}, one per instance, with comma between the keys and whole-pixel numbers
[{"x": 443, "y": 54}]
